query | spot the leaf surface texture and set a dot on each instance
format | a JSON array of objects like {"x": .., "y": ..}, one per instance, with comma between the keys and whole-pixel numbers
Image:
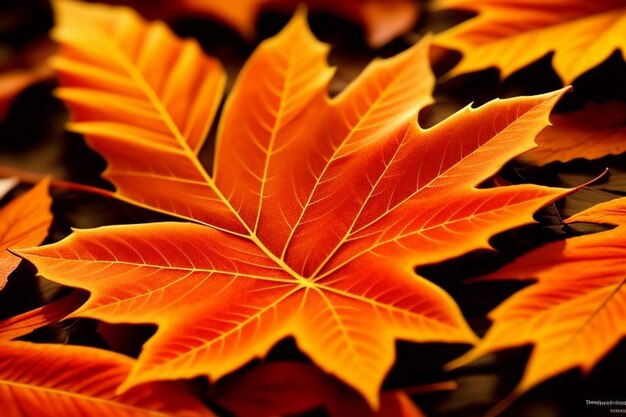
[{"x": 511, "y": 34}]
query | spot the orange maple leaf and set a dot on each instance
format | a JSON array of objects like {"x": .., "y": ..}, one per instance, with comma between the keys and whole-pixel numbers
[
  {"x": 510, "y": 34},
  {"x": 574, "y": 313},
  {"x": 24, "y": 222},
  {"x": 593, "y": 132},
  {"x": 315, "y": 215}
]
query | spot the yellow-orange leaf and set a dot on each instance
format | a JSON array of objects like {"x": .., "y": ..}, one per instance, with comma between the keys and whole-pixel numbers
[
  {"x": 383, "y": 19},
  {"x": 39, "y": 380},
  {"x": 23, "y": 222},
  {"x": 153, "y": 97},
  {"x": 510, "y": 34},
  {"x": 319, "y": 208},
  {"x": 595, "y": 131},
  {"x": 574, "y": 314}
]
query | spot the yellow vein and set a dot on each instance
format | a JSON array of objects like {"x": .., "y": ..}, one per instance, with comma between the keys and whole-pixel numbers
[
  {"x": 158, "y": 105},
  {"x": 275, "y": 128},
  {"x": 363, "y": 205},
  {"x": 332, "y": 159}
]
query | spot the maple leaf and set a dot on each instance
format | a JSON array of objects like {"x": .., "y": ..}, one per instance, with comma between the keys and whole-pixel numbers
[
  {"x": 319, "y": 209},
  {"x": 23, "y": 222},
  {"x": 288, "y": 388},
  {"x": 510, "y": 34},
  {"x": 73, "y": 381},
  {"x": 595, "y": 131},
  {"x": 573, "y": 314}
]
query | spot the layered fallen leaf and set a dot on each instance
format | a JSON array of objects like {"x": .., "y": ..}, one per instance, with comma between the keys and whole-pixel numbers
[
  {"x": 315, "y": 215},
  {"x": 511, "y": 34},
  {"x": 595, "y": 131},
  {"x": 574, "y": 314},
  {"x": 15, "y": 81},
  {"x": 24, "y": 222},
  {"x": 38, "y": 380}
]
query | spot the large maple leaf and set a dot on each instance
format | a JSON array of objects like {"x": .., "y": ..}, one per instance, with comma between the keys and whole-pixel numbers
[
  {"x": 510, "y": 34},
  {"x": 574, "y": 313},
  {"x": 315, "y": 215}
]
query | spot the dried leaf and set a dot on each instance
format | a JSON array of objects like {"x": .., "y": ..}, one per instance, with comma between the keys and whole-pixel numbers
[
  {"x": 319, "y": 208},
  {"x": 510, "y": 34}
]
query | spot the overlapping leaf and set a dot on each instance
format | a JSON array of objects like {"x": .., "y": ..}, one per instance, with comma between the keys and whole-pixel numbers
[
  {"x": 510, "y": 34},
  {"x": 595, "y": 131},
  {"x": 38, "y": 380},
  {"x": 23, "y": 222},
  {"x": 315, "y": 215},
  {"x": 53, "y": 380},
  {"x": 574, "y": 313}
]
